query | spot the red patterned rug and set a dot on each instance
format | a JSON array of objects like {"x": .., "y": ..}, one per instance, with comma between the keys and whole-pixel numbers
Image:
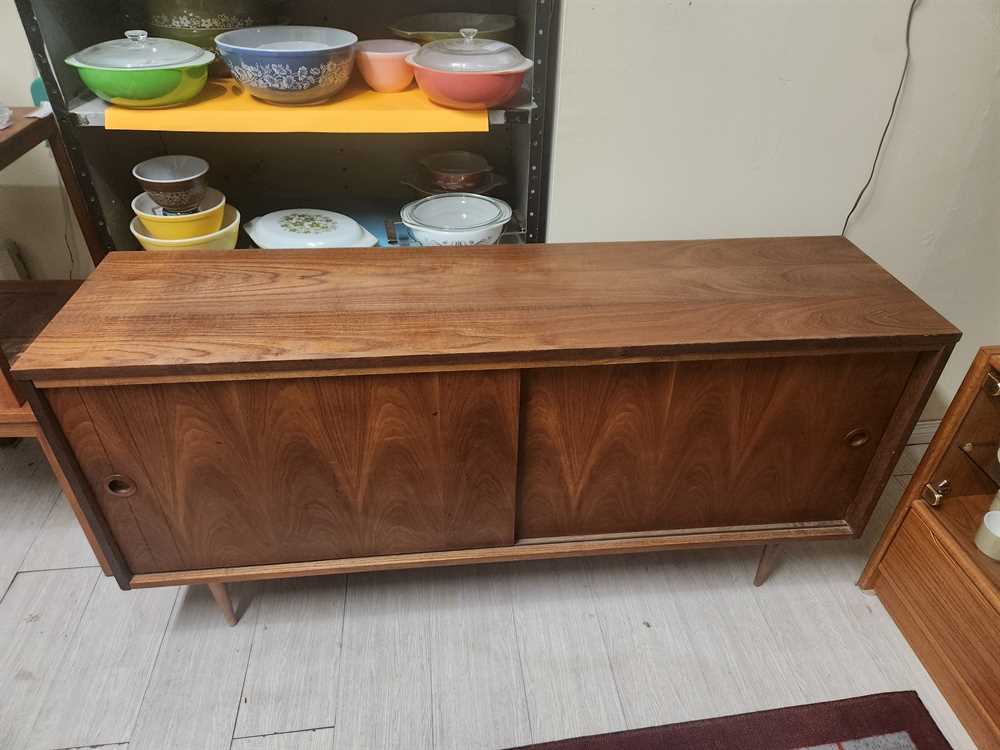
[{"x": 890, "y": 721}]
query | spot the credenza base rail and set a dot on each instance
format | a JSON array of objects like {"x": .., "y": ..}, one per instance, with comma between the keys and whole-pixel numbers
[{"x": 526, "y": 550}]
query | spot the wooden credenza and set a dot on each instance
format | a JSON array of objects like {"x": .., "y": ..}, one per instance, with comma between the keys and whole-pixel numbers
[{"x": 249, "y": 415}]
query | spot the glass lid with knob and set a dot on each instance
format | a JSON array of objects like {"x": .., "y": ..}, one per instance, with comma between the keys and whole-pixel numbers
[
  {"x": 138, "y": 50},
  {"x": 469, "y": 54},
  {"x": 451, "y": 212}
]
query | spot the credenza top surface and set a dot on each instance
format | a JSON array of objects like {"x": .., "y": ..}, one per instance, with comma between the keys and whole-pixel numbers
[{"x": 175, "y": 314}]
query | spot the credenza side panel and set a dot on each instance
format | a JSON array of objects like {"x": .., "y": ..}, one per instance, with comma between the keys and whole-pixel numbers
[
  {"x": 701, "y": 444},
  {"x": 259, "y": 472}
]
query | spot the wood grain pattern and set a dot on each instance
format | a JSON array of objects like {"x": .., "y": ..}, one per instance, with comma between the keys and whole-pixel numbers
[
  {"x": 948, "y": 622},
  {"x": 243, "y": 473},
  {"x": 955, "y": 524},
  {"x": 84, "y": 463},
  {"x": 909, "y": 407},
  {"x": 699, "y": 445},
  {"x": 73, "y": 502},
  {"x": 195, "y": 314},
  {"x": 16, "y": 422},
  {"x": 26, "y": 307},
  {"x": 23, "y": 134},
  {"x": 766, "y": 565},
  {"x": 221, "y": 595},
  {"x": 548, "y": 551},
  {"x": 10, "y": 402},
  {"x": 60, "y": 452},
  {"x": 943, "y": 460}
]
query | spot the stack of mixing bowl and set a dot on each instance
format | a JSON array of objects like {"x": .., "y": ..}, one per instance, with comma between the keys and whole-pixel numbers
[{"x": 178, "y": 211}]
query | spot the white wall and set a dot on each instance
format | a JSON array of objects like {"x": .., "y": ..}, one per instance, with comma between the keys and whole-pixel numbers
[
  {"x": 725, "y": 118},
  {"x": 33, "y": 211}
]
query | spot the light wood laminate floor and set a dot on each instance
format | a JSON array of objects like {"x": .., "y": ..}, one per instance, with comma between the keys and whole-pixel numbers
[{"x": 487, "y": 657}]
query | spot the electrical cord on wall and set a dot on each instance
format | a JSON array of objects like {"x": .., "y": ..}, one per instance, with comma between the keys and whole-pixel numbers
[{"x": 888, "y": 123}]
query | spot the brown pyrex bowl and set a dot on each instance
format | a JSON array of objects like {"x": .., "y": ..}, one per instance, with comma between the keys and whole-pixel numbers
[
  {"x": 176, "y": 183},
  {"x": 457, "y": 171}
]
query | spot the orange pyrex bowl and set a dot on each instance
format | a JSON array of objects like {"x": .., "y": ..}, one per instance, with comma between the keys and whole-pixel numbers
[{"x": 469, "y": 73}]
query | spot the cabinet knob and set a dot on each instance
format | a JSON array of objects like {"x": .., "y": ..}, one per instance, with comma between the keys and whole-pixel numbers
[
  {"x": 934, "y": 494},
  {"x": 120, "y": 485},
  {"x": 858, "y": 438},
  {"x": 992, "y": 384}
]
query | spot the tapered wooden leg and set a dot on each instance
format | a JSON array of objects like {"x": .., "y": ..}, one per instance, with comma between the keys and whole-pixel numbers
[
  {"x": 768, "y": 560},
  {"x": 221, "y": 596}
]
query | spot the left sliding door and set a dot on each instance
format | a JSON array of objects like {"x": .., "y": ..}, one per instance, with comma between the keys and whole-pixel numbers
[{"x": 223, "y": 474}]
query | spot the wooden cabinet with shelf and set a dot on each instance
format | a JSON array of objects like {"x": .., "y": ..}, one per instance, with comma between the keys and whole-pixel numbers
[
  {"x": 259, "y": 415},
  {"x": 941, "y": 590}
]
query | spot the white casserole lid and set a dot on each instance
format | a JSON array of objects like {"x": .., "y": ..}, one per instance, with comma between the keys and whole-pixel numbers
[
  {"x": 471, "y": 55},
  {"x": 299, "y": 228},
  {"x": 139, "y": 51}
]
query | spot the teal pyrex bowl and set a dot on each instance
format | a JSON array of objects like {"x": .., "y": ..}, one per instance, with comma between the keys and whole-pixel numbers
[{"x": 143, "y": 72}]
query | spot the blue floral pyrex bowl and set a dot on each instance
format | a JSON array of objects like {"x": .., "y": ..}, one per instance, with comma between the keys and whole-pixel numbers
[{"x": 289, "y": 64}]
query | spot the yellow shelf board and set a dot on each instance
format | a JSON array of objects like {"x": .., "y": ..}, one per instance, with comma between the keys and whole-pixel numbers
[{"x": 225, "y": 107}]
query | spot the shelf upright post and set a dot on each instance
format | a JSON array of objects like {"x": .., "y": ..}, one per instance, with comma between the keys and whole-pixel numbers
[{"x": 72, "y": 166}]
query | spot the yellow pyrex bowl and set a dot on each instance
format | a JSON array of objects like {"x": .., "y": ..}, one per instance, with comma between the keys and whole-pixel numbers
[
  {"x": 208, "y": 219},
  {"x": 224, "y": 239}
]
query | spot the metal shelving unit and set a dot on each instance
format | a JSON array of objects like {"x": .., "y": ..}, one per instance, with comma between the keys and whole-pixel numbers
[{"x": 263, "y": 172}]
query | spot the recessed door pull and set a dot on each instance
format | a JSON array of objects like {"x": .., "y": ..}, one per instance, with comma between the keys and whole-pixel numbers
[{"x": 120, "y": 485}]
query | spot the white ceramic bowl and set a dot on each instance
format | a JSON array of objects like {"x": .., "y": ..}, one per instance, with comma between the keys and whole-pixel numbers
[{"x": 456, "y": 219}]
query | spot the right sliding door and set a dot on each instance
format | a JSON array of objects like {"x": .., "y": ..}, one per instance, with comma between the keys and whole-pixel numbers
[{"x": 701, "y": 445}]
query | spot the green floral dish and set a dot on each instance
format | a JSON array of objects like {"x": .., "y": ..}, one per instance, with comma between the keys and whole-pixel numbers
[
  {"x": 308, "y": 228},
  {"x": 198, "y": 22}
]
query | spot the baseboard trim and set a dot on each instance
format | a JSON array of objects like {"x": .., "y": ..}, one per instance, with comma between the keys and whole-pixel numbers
[{"x": 923, "y": 432}]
